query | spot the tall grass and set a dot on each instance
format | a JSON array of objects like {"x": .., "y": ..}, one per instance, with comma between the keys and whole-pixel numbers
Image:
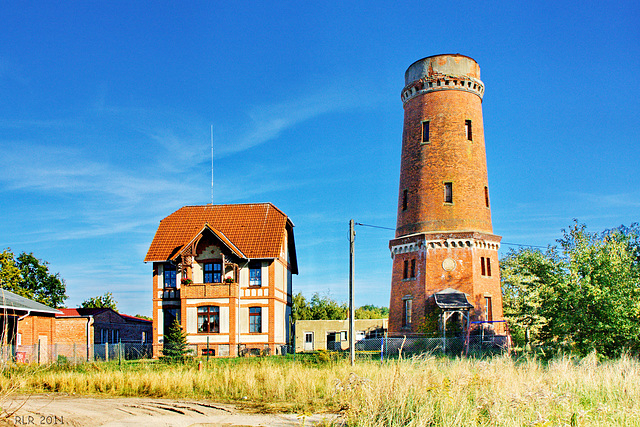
[{"x": 423, "y": 391}]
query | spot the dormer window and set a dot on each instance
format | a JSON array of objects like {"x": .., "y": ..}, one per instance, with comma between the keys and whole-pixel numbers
[
  {"x": 213, "y": 272},
  {"x": 255, "y": 274}
]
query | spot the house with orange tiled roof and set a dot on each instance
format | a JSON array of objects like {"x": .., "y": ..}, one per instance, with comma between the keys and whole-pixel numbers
[{"x": 225, "y": 273}]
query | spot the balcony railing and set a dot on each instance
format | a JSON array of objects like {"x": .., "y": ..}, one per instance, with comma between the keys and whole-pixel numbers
[{"x": 171, "y": 293}]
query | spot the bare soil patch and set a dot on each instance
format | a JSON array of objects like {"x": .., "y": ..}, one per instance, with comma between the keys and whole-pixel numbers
[{"x": 63, "y": 410}]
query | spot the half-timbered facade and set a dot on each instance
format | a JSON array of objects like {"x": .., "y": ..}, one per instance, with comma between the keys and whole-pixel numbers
[{"x": 225, "y": 272}]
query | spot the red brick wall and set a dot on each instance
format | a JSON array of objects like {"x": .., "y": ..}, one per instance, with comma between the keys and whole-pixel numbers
[
  {"x": 72, "y": 330},
  {"x": 32, "y": 327},
  {"x": 448, "y": 157},
  {"x": 438, "y": 230}
]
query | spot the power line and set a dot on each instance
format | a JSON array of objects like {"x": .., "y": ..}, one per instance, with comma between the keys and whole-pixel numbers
[
  {"x": 524, "y": 246},
  {"x": 374, "y": 226}
]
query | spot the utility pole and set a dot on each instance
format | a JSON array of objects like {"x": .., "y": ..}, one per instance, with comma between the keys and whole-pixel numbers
[{"x": 352, "y": 310}]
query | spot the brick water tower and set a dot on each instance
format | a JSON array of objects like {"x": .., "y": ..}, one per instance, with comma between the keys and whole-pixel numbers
[{"x": 445, "y": 255}]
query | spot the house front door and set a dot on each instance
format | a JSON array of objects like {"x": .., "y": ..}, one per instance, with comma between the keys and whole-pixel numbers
[{"x": 308, "y": 341}]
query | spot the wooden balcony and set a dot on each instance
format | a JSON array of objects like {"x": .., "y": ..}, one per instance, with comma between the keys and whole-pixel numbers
[{"x": 210, "y": 290}]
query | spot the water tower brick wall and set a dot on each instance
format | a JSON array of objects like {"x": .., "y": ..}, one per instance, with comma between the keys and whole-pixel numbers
[
  {"x": 448, "y": 157},
  {"x": 451, "y": 241}
]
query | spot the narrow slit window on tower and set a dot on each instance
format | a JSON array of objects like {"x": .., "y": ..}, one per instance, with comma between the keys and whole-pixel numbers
[
  {"x": 413, "y": 268},
  {"x": 486, "y": 196},
  {"x": 483, "y": 270},
  {"x": 467, "y": 130},
  {"x": 448, "y": 192},
  {"x": 425, "y": 131},
  {"x": 488, "y": 266},
  {"x": 406, "y": 314},
  {"x": 405, "y": 271},
  {"x": 405, "y": 202}
]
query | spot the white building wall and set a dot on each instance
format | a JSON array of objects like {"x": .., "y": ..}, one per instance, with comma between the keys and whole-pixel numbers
[
  {"x": 244, "y": 320},
  {"x": 213, "y": 339},
  {"x": 279, "y": 276},
  {"x": 265, "y": 319},
  {"x": 192, "y": 320},
  {"x": 265, "y": 274},
  {"x": 254, "y": 338},
  {"x": 224, "y": 320},
  {"x": 279, "y": 322}
]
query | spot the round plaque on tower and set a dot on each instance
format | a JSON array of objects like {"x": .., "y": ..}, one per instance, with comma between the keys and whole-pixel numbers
[{"x": 448, "y": 264}]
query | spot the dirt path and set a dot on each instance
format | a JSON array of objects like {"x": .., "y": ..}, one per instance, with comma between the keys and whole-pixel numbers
[{"x": 59, "y": 410}]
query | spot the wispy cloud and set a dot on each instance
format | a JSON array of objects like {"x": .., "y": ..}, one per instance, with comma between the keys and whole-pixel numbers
[
  {"x": 619, "y": 200},
  {"x": 267, "y": 122}
]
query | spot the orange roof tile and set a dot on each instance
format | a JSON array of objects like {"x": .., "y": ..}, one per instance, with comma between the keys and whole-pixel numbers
[{"x": 257, "y": 230}]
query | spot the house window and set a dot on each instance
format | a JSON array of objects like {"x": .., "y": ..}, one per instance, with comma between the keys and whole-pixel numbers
[
  {"x": 406, "y": 313},
  {"x": 169, "y": 275},
  {"x": 343, "y": 335},
  {"x": 405, "y": 201},
  {"x": 425, "y": 131},
  {"x": 255, "y": 274},
  {"x": 255, "y": 319},
  {"x": 448, "y": 192},
  {"x": 486, "y": 196},
  {"x": 405, "y": 270},
  {"x": 209, "y": 319},
  {"x": 488, "y": 309},
  {"x": 213, "y": 272},
  {"x": 467, "y": 130},
  {"x": 413, "y": 268}
]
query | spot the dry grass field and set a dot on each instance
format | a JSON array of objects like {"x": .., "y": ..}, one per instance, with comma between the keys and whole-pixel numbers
[{"x": 423, "y": 391}]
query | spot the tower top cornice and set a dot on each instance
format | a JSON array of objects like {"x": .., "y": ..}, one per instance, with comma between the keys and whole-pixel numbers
[{"x": 442, "y": 72}]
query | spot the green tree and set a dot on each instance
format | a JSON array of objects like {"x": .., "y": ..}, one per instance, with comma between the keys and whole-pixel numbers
[
  {"x": 174, "y": 348},
  {"x": 320, "y": 307},
  {"x": 44, "y": 286},
  {"x": 583, "y": 296},
  {"x": 10, "y": 274},
  {"x": 528, "y": 276},
  {"x": 372, "y": 312},
  {"x": 103, "y": 301},
  {"x": 324, "y": 308},
  {"x": 300, "y": 309},
  {"x": 29, "y": 277}
]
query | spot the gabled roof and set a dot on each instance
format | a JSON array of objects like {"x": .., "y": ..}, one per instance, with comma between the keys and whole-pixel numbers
[
  {"x": 74, "y": 312},
  {"x": 80, "y": 312},
  {"x": 452, "y": 299},
  {"x": 11, "y": 301},
  {"x": 233, "y": 248},
  {"x": 256, "y": 230}
]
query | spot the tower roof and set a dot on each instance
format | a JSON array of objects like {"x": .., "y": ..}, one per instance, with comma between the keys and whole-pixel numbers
[{"x": 446, "y": 64}]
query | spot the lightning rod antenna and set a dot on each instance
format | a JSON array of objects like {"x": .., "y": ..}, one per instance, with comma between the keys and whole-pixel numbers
[{"x": 211, "y": 165}]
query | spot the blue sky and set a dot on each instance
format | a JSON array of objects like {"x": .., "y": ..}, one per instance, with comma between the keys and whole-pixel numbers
[{"x": 106, "y": 108}]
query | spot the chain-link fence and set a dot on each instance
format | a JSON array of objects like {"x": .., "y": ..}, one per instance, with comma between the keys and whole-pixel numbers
[
  {"x": 388, "y": 347},
  {"x": 74, "y": 353}
]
